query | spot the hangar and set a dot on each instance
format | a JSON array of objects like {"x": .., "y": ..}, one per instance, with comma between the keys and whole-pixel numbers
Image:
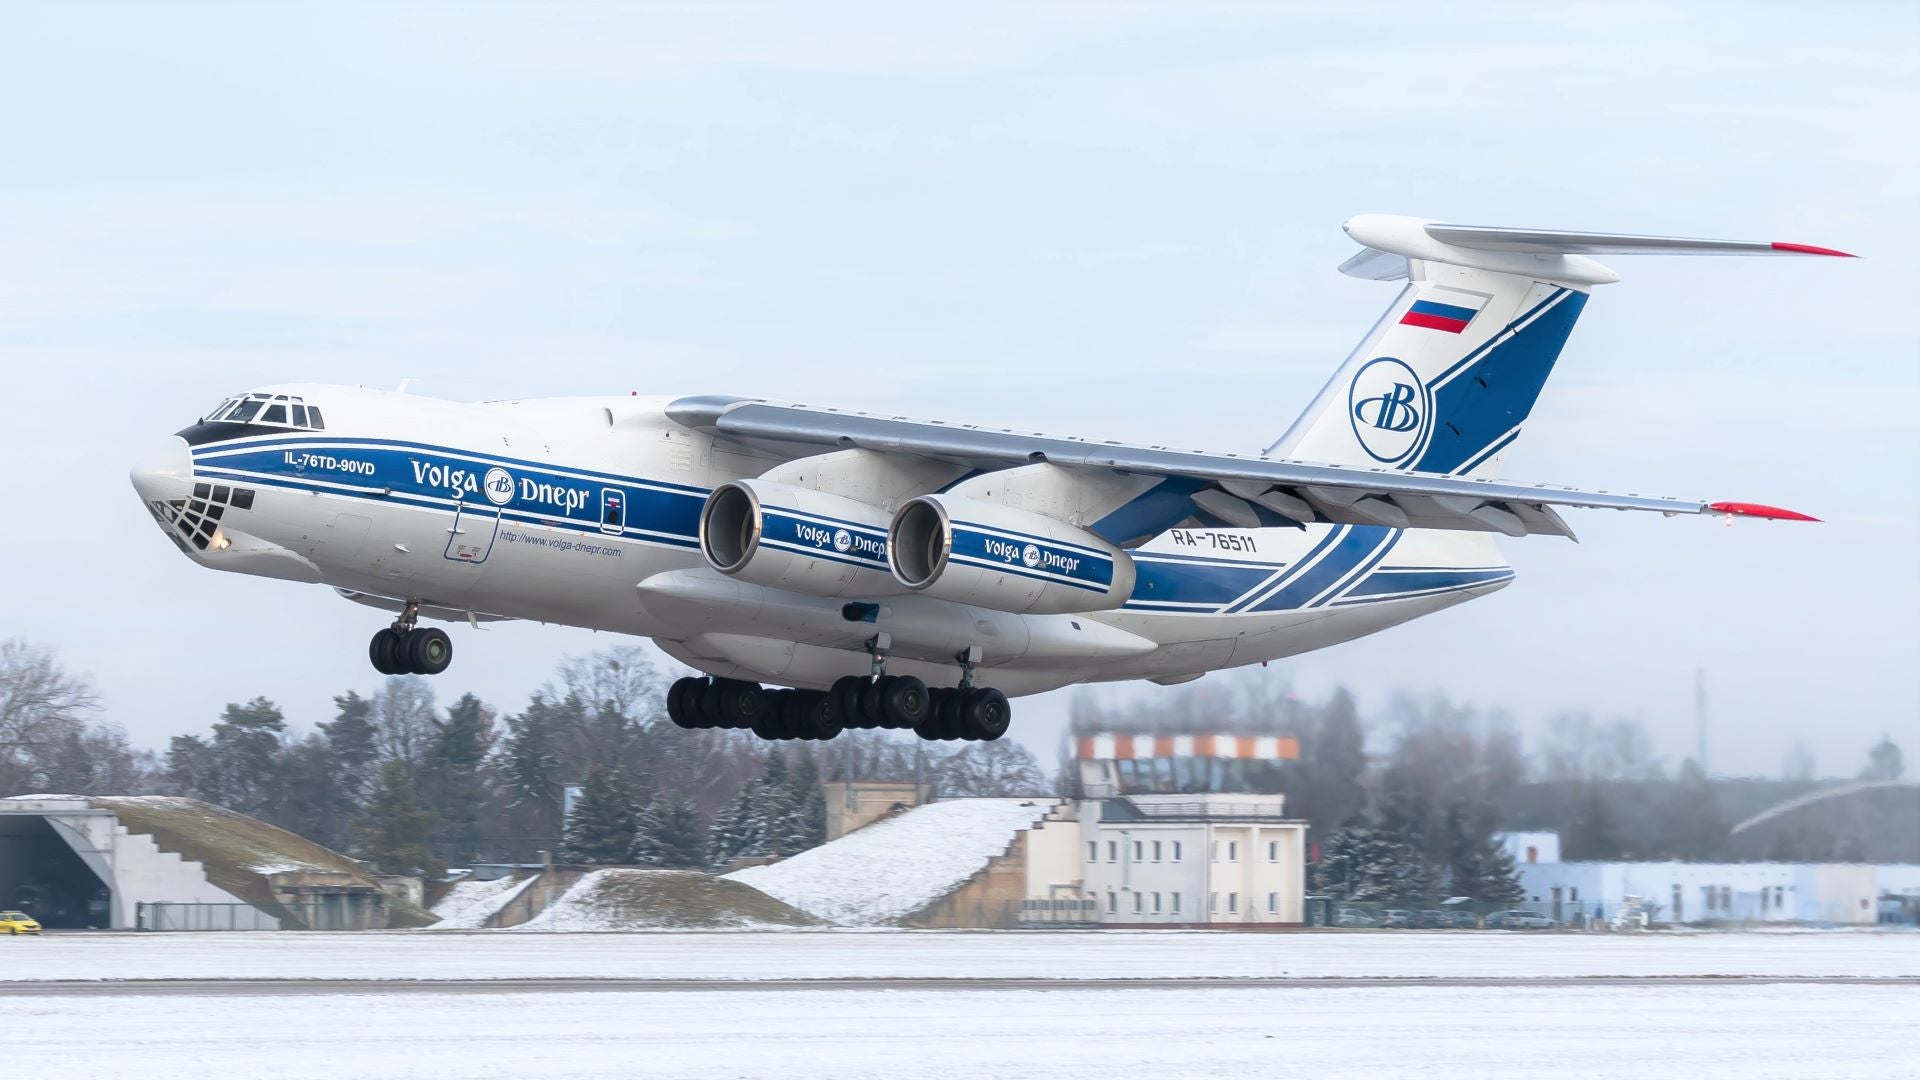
[{"x": 156, "y": 862}]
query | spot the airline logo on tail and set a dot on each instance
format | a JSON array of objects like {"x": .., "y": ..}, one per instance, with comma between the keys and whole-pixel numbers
[{"x": 1389, "y": 408}]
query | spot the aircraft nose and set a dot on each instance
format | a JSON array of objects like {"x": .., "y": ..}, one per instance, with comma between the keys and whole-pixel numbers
[{"x": 164, "y": 472}]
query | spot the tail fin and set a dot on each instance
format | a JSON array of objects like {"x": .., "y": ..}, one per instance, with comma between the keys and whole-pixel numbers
[{"x": 1444, "y": 381}]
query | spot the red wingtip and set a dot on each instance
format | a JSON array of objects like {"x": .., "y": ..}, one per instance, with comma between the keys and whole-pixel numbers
[
  {"x": 1809, "y": 249},
  {"x": 1759, "y": 510}
]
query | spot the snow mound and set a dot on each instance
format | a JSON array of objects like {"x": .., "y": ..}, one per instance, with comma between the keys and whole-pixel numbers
[
  {"x": 895, "y": 867},
  {"x": 469, "y": 904},
  {"x": 632, "y": 899}
]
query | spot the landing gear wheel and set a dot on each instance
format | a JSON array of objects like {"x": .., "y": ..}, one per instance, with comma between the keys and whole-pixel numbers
[
  {"x": 428, "y": 650},
  {"x": 903, "y": 699},
  {"x": 844, "y": 701},
  {"x": 951, "y": 724},
  {"x": 817, "y": 719},
  {"x": 736, "y": 703},
  {"x": 986, "y": 714},
  {"x": 872, "y": 707},
  {"x": 770, "y": 724},
  {"x": 683, "y": 699},
  {"x": 937, "y": 703},
  {"x": 384, "y": 651}
]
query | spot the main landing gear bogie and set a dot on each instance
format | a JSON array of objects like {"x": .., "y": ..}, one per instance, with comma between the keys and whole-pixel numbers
[
  {"x": 896, "y": 702},
  {"x": 406, "y": 648}
]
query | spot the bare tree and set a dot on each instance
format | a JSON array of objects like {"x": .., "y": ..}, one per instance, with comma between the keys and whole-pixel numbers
[
  {"x": 992, "y": 769},
  {"x": 44, "y": 714}
]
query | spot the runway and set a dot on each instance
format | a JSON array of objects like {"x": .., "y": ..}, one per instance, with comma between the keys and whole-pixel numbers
[{"x": 306, "y": 987}]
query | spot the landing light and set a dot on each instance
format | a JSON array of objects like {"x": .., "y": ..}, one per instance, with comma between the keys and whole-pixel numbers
[{"x": 219, "y": 541}]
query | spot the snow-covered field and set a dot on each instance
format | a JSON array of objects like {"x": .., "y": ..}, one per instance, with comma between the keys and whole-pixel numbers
[
  {"x": 1700, "y": 1033},
  {"x": 937, "y": 954},
  {"x": 926, "y": 851}
]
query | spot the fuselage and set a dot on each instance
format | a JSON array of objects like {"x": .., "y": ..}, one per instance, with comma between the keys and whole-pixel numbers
[{"x": 585, "y": 512}]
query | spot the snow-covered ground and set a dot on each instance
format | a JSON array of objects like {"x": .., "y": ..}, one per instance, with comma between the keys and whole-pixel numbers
[
  {"x": 1777, "y": 1032},
  {"x": 937, "y": 954},
  {"x": 896, "y": 866},
  {"x": 469, "y": 904}
]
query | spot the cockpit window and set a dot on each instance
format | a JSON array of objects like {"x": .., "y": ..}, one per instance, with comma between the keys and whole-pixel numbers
[{"x": 277, "y": 410}]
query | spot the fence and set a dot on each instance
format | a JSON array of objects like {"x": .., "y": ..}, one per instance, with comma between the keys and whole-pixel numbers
[{"x": 168, "y": 915}]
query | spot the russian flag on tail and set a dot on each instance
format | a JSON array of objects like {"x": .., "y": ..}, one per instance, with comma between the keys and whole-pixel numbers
[{"x": 1452, "y": 318}]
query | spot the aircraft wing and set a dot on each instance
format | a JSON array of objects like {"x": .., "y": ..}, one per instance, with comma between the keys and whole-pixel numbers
[{"x": 1233, "y": 490}]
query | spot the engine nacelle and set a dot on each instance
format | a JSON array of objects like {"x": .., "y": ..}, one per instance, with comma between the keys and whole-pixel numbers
[
  {"x": 796, "y": 538},
  {"x": 985, "y": 554}
]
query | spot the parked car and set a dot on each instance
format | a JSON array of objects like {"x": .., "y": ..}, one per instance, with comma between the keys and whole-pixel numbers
[
  {"x": 1397, "y": 919},
  {"x": 1466, "y": 920},
  {"x": 1435, "y": 919},
  {"x": 1353, "y": 917},
  {"x": 1519, "y": 919},
  {"x": 18, "y": 922}
]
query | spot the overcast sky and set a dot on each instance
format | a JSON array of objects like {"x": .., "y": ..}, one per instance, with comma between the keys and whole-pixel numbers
[{"x": 1114, "y": 222}]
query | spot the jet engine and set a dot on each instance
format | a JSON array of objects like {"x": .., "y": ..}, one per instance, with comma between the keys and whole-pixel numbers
[
  {"x": 982, "y": 553},
  {"x": 794, "y": 538}
]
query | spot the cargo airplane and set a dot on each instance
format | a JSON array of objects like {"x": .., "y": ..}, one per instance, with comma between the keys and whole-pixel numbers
[{"x": 830, "y": 569}]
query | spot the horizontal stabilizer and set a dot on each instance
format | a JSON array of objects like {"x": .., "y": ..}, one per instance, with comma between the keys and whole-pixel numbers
[{"x": 1556, "y": 242}]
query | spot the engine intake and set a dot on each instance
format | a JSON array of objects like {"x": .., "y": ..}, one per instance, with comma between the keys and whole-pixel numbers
[
  {"x": 796, "y": 538},
  {"x": 974, "y": 552}
]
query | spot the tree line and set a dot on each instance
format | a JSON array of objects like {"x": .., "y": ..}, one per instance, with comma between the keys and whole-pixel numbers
[{"x": 1410, "y": 794}]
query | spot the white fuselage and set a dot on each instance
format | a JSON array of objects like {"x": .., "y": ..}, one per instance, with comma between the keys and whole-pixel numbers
[{"x": 585, "y": 512}]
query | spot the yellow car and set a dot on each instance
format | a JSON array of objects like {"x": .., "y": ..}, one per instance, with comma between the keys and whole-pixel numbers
[{"x": 17, "y": 922}]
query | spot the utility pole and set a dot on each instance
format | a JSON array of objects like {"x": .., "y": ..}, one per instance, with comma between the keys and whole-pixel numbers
[{"x": 1700, "y": 716}]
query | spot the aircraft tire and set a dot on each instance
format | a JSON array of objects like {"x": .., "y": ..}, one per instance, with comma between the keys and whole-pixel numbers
[
  {"x": 427, "y": 650},
  {"x": 384, "y": 651},
  {"x": 986, "y": 715},
  {"x": 681, "y": 699},
  {"x": 770, "y": 725},
  {"x": 903, "y": 698},
  {"x": 947, "y": 724},
  {"x": 873, "y": 704},
  {"x": 737, "y": 703},
  {"x": 817, "y": 716},
  {"x": 938, "y": 700},
  {"x": 844, "y": 701}
]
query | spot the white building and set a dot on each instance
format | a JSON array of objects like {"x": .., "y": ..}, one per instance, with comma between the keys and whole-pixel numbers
[
  {"x": 1167, "y": 837},
  {"x": 1682, "y": 892}
]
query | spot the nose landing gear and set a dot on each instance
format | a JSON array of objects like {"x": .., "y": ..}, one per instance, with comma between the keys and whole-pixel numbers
[{"x": 407, "y": 649}]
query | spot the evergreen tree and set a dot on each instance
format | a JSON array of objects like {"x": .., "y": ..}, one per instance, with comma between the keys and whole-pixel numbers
[
  {"x": 1884, "y": 761},
  {"x": 244, "y": 751},
  {"x": 1478, "y": 865},
  {"x": 352, "y": 745},
  {"x": 740, "y": 830},
  {"x": 392, "y": 834},
  {"x": 1408, "y": 846},
  {"x": 604, "y": 819},
  {"x": 529, "y": 763},
  {"x": 669, "y": 836},
  {"x": 453, "y": 784},
  {"x": 189, "y": 767},
  {"x": 1364, "y": 864},
  {"x": 804, "y": 822},
  {"x": 1000, "y": 769}
]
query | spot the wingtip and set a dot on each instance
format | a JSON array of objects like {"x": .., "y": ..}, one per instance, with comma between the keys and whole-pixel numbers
[
  {"x": 1809, "y": 249},
  {"x": 1759, "y": 510}
]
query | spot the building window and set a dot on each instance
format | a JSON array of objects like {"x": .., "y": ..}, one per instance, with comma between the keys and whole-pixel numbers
[
  {"x": 1273, "y": 903},
  {"x": 1093, "y": 851},
  {"x": 1139, "y": 851},
  {"x": 1213, "y": 903},
  {"x": 1113, "y": 903},
  {"x": 1156, "y": 851},
  {"x": 1573, "y": 893},
  {"x": 1176, "y": 851},
  {"x": 1273, "y": 851},
  {"x": 1678, "y": 909},
  {"x": 1139, "y": 901},
  {"x": 1233, "y": 851},
  {"x": 1533, "y": 853},
  {"x": 1213, "y": 851},
  {"x": 1156, "y": 903},
  {"x": 1175, "y": 899},
  {"x": 1233, "y": 903},
  {"x": 1113, "y": 851}
]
